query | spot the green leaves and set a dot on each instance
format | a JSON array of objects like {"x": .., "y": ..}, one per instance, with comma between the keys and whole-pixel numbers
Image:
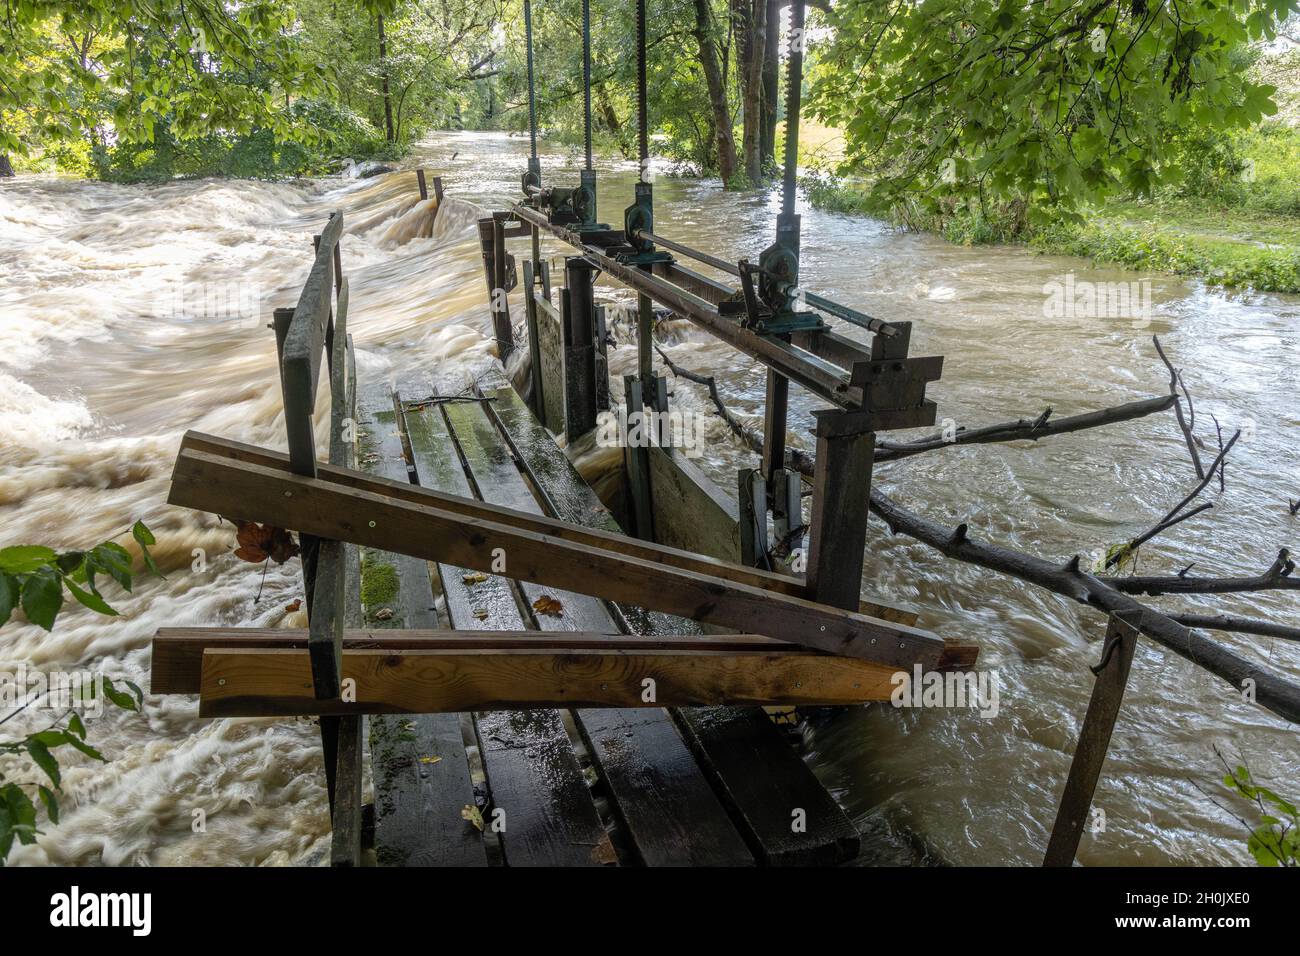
[
  {"x": 1276, "y": 840},
  {"x": 34, "y": 576},
  {"x": 1058, "y": 103},
  {"x": 43, "y": 596}
]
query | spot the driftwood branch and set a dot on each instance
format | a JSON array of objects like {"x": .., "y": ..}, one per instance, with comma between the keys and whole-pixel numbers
[
  {"x": 1277, "y": 578},
  {"x": 1175, "y": 514},
  {"x": 1240, "y": 625},
  {"x": 1022, "y": 428},
  {"x": 1174, "y": 381},
  {"x": 1109, "y": 595},
  {"x": 1272, "y": 692}
]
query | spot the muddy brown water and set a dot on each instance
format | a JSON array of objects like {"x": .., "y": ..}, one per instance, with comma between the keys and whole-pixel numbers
[{"x": 112, "y": 350}]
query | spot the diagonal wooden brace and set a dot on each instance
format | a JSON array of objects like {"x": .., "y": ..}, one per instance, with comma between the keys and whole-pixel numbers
[{"x": 471, "y": 534}]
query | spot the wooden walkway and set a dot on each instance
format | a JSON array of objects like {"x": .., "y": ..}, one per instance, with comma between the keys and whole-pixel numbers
[{"x": 718, "y": 786}]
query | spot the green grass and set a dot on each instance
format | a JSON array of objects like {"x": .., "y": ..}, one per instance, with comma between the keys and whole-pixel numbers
[{"x": 1234, "y": 220}]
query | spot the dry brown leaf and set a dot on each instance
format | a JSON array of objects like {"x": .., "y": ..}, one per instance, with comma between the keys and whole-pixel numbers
[
  {"x": 471, "y": 813},
  {"x": 384, "y": 614},
  {"x": 257, "y": 542},
  {"x": 475, "y": 578},
  {"x": 548, "y": 605},
  {"x": 294, "y": 605}
]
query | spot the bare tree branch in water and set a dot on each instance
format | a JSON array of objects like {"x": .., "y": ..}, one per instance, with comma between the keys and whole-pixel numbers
[
  {"x": 1175, "y": 380},
  {"x": 1176, "y": 513},
  {"x": 1107, "y": 594},
  {"x": 1238, "y": 625},
  {"x": 1276, "y": 578}
]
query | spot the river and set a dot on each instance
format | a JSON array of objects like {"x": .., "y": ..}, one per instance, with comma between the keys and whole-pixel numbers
[{"x": 109, "y": 357}]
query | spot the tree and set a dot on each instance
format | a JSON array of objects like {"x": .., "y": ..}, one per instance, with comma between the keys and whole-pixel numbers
[
  {"x": 1055, "y": 103},
  {"x": 715, "y": 78}
]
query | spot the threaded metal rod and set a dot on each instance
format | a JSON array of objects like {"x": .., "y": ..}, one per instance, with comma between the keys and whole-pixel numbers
[
  {"x": 793, "y": 96},
  {"x": 643, "y": 120}
]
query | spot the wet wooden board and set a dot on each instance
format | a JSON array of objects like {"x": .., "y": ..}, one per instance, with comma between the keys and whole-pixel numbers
[
  {"x": 420, "y": 768},
  {"x": 781, "y": 772},
  {"x": 768, "y": 788},
  {"x": 661, "y": 797},
  {"x": 440, "y": 529},
  {"x": 276, "y": 682},
  {"x": 690, "y": 512},
  {"x": 657, "y": 789},
  {"x": 532, "y": 772}
]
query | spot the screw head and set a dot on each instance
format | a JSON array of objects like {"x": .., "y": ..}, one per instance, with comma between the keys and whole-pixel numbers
[{"x": 372, "y": 524}]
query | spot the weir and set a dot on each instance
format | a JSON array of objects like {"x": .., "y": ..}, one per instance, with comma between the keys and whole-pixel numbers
[{"x": 541, "y": 681}]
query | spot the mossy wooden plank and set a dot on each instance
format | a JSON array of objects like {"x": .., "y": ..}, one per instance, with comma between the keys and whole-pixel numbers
[
  {"x": 532, "y": 772},
  {"x": 420, "y": 768},
  {"x": 781, "y": 775},
  {"x": 660, "y": 795}
]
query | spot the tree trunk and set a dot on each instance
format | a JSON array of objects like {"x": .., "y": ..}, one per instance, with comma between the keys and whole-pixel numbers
[
  {"x": 717, "y": 92},
  {"x": 389, "y": 135},
  {"x": 749, "y": 19},
  {"x": 771, "y": 80},
  {"x": 6, "y": 167}
]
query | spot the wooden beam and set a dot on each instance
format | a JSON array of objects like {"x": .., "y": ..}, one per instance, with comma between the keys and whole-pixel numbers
[
  {"x": 304, "y": 341},
  {"x": 1094, "y": 741},
  {"x": 578, "y": 534},
  {"x": 252, "y": 492},
  {"x": 178, "y": 651},
  {"x": 274, "y": 682}
]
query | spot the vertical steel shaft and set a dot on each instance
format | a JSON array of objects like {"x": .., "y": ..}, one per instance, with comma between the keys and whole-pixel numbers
[
  {"x": 643, "y": 119},
  {"x": 793, "y": 96},
  {"x": 532, "y": 96},
  {"x": 586, "y": 77}
]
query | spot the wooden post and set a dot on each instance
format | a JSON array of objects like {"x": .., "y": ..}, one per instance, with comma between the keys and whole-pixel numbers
[
  {"x": 579, "y": 327},
  {"x": 841, "y": 489},
  {"x": 437, "y": 191},
  {"x": 753, "y": 517},
  {"x": 500, "y": 286},
  {"x": 637, "y": 462},
  {"x": 424, "y": 190},
  {"x": 538, "y": 403},
  {"x": 491, "y": 234},
  {"x": 1094, "y": 740}
]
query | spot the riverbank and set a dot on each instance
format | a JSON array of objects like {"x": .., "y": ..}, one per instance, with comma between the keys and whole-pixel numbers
[{"x": 1231, "y": 222}]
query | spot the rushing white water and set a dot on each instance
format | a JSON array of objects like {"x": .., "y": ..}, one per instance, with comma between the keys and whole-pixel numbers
[{"x": 110, "y": 356}]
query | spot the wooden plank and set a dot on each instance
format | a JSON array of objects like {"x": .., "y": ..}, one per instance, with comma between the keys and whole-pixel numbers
[
  {"x": 420, "y": 768},
  {"x": 548, "y": 815},
  {"x": 178, "y": 651},
  {"x": 489, "y": 461},
  {"x": 253, "y": 492},
  {"x": 690, "y": 512},
  {"x": 605, "y": 534},
  {"x": 305, "y": 340},
  {"x": 551, "y": 346},
  {"x": 471, "y": 600},
  {"x": 730, "y": 743},
  {"x": 532, "y": 773},
  {"x": 781, "y": 771},
  {"x": 661, "y": 798},
  {"x": 261, "y": 682},
  {"x": 345, "y": 819},
  {"x": 1094, "y": 741}
]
